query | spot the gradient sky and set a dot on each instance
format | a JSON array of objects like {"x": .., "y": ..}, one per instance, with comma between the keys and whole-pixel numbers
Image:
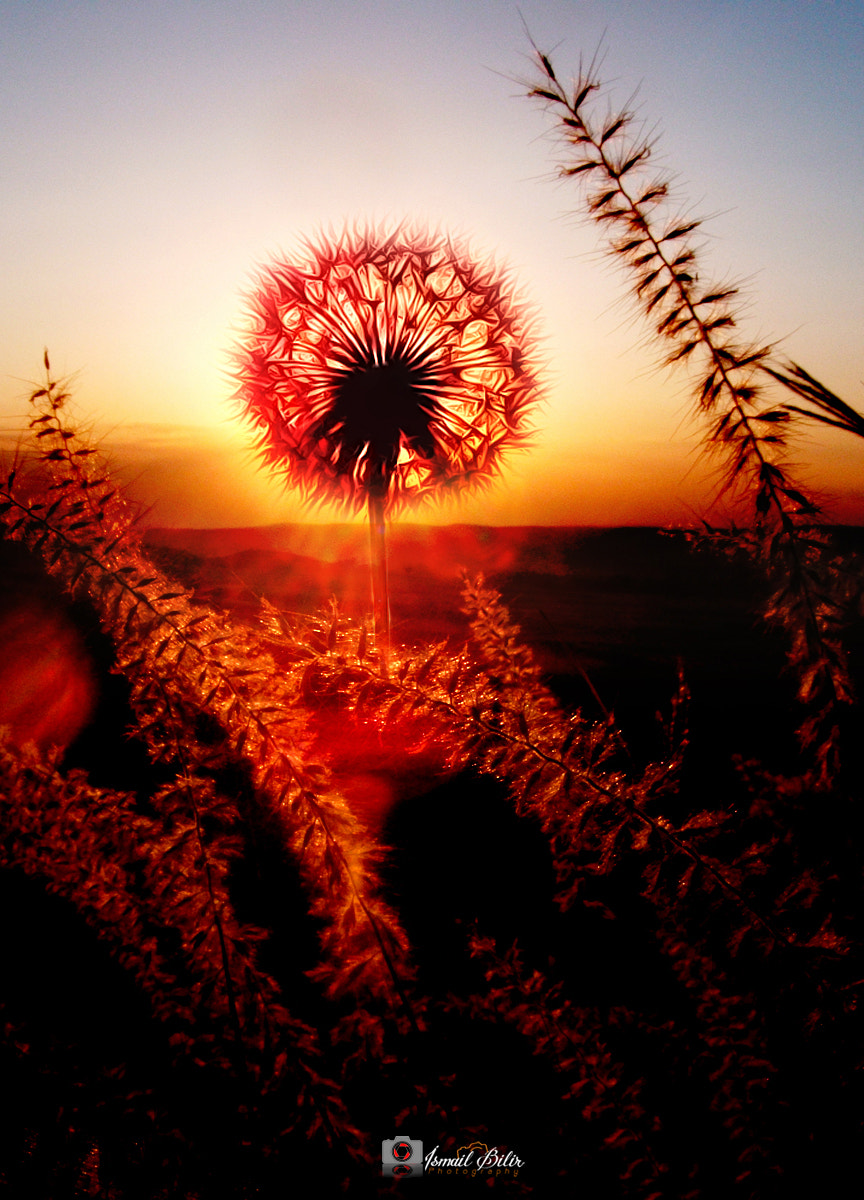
[{"x": 153, "y": 153}]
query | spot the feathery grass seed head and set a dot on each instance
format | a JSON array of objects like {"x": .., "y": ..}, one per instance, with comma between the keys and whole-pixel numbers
[{"x": 385, "y": 363}]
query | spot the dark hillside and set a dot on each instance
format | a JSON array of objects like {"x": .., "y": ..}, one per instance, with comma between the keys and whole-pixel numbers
[{"x": 610, "y": 613}]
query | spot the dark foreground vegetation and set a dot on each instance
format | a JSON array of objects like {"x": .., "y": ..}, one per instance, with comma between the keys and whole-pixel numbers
[
  {"x": 627, "y": 953},
  {"x": 617, "y": 931}
]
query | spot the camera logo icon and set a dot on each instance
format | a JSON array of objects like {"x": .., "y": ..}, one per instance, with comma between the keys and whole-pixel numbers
[{"x": 401, "y": 1157}]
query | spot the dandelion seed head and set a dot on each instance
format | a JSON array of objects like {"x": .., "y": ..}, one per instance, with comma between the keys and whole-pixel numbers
[{"x": 387, "y": 363}]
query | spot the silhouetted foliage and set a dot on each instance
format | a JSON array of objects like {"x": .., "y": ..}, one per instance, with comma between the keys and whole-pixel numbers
[
  {"x": 695, "y": 321},
  {"x": 229, "y": 982},
  {"x": 676, "y": 966}
]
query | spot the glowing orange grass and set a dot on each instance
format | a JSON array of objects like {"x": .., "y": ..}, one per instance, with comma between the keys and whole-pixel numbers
[{"x": 383, "y": 369}]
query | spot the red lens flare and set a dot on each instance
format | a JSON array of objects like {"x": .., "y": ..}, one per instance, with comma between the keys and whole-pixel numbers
[
  {"x": 385, "y": 364},
  {"x": 48, "y": 689}
]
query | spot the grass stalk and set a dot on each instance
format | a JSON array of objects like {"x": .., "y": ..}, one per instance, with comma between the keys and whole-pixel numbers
[{"x": 379, "y": 571}]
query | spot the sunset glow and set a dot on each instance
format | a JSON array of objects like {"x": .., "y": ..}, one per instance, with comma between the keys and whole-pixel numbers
[{"x": 157, "y": 156}]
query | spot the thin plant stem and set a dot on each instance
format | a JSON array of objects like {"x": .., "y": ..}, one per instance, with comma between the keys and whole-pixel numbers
[{"x": 378, "y": 569}]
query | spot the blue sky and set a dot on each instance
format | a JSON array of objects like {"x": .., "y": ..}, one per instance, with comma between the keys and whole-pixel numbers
[{"x": 154, "y": 153}]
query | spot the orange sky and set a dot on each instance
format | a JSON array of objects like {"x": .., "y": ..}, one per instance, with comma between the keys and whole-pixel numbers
[
  {"x": 200, "y": 477},
  {"x": 159, "y": 153}
]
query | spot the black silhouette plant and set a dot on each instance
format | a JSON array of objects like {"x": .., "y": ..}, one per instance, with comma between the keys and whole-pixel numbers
[
  {"x": 384, "y": 368},
  {"x": 823, "y": 405},
  {"x": 607, "y": 152}
]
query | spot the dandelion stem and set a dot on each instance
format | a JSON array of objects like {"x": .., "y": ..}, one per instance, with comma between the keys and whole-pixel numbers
[{"x": 378, "y": 569}]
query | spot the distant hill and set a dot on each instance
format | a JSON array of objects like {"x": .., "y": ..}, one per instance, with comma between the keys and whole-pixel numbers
[
  {"x": 441, "y": 549},
  {"x": 610, "y": 613}
]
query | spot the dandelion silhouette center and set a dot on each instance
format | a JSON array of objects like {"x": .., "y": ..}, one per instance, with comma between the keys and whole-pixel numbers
[
  {"x": 386, "y": 363},
  {"x": 385, "y": 408}
]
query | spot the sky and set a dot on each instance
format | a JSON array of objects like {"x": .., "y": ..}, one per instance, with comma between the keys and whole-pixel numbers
[{"x": 156, "y": 152}]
